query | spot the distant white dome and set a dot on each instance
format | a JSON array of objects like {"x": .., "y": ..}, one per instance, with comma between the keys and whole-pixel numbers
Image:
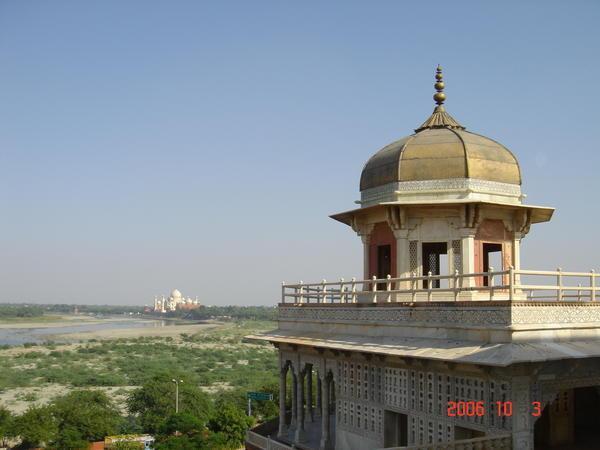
[{"x": 175, "y": 294}]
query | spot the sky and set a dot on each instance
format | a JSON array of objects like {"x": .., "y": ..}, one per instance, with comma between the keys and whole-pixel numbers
[{"x": 153, "y": 145}]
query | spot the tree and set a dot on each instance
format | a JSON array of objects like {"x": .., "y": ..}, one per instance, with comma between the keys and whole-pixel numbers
[
  {"x": 71, "y": 438},
  {"x": 126, "y": 445},
  {"x": 84, "y": 416},
  {"x": 183, "y": 423},
  {"x": 232, "y": 422},
  {"x": 155, "y": 401},
  {"x": 6, "y": 421},
  {"x": 36, "y": 426},
  {"x": 202, "y": 441}
]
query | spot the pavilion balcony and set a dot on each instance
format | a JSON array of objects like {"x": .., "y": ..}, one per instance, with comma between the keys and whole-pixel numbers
[
  {"x": 267, "y": 437},
  {"x": 257, "y": 440},
  {"x": 505, "y": 317},
  {"x": 506, "y": 285}
]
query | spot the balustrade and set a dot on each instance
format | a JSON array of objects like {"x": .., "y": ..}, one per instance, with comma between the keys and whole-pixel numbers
[{"x": 503, "y": 285}]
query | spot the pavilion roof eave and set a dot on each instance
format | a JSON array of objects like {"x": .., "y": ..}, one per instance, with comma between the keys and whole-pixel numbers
[
  {"x": 497, "y": 354},
  {"x": 538, "y": 213}
]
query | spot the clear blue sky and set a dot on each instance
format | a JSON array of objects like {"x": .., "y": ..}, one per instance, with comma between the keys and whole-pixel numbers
[{"x": 148, "y": 145}]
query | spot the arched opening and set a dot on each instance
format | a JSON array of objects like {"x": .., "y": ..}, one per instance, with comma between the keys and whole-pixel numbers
[{"x": 572, "y": 421}]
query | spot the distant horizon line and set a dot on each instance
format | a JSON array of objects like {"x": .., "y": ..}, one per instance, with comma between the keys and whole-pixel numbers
[{"x": 114, "y": 304}]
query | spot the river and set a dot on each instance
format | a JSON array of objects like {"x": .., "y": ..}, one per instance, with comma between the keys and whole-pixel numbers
[{"x": 18, "y": 334}]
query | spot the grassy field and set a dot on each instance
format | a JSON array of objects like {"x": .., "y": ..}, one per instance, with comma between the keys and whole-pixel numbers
[{"x": 216, "y": 359}]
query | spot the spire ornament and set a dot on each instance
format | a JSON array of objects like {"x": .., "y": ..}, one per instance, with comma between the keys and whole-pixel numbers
[
  {"x": 440, "y": 118},
  {"x": 439, "y": 96}
]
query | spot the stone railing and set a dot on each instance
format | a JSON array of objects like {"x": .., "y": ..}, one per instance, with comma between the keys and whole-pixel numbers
[
  {"x": 264, "y": 442},
  {"x": 503, "y": 442},
  {"x": 511, "y": 284}
]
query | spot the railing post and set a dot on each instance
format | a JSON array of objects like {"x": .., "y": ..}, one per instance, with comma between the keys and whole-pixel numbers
[
  {"x": 374, "y": 289},
  {"x": 324, "y": 291},
  {"x": 388, "y": 288},
  {"x": 491, "y": 282},
  {"x": 511, "y": 283},
  {"x": 429, "y": 288},
  {"x": 559, "y": 284},
  {"x": 413, "y": 286},
  {"x": 342, "y": 294},
  {"x": 302, "y": 294},
  {"x": 593, "y": 285},
  {"x": 283, "y": 292},
  {"x": 579, "y": 292},
  {"x": 353, "y": 290}
]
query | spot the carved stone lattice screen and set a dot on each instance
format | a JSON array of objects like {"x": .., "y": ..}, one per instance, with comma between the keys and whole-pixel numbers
[
  {"x": 457, "y": 255},
  {"x": 413, "y": 257}
]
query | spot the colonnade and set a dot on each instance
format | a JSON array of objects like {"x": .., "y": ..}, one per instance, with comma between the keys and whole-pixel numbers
[{"x": 303, "y": 410}]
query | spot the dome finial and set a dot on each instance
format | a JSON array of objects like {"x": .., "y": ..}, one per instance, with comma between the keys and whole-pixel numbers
[
  {"x": 440, "y": 118},
  {"x": 439, "y": 96}
]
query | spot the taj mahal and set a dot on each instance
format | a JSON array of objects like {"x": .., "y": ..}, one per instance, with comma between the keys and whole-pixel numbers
[
  {"x": 445, "y": 342},
  {"x": 174, "y": 302}
]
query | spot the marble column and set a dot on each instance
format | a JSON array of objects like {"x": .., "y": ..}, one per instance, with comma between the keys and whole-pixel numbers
[
  {"x": 402, "y": 258},
  {"x": 309, "y": 393},
  {"x": 516, "y": 255},
  {"x": 331, "y": 395},
  {"x": 522, "y": 423},
  {"x": 300, "y": 433},
  {"x": 468, "y": 256},
  {"x": 325, "y": 431},
  {"x": 366, "y": 239},
  {"x": 294, "y": 400},
  {"x": 282, "y": 395},
  {"x": 319, "y": 394}
]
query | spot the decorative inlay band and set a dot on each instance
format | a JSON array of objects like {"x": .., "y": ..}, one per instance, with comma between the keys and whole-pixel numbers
[
  {"x": 388, "y": 192},
  {"x": 460, "y": 183},
  {"x": 511, "y": 314},
  {"x": 469, "y": 316}
]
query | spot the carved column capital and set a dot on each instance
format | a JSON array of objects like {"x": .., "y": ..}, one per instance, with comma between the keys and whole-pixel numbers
[
  {"x": 467, "y": 232},
  {"x": 396, "y": 217},
  {"x": 522, "y": 221},
  {"x": 362, "y": 229},
  {"x": 401, "y": 233},
  {"x": 471, "y": 216}
]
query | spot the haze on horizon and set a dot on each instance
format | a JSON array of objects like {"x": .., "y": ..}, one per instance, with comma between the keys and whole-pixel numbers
[{"x": 146, "y": 146}]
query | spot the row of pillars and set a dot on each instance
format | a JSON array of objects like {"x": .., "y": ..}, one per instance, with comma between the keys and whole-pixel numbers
[{"x": 302, "y": 403}]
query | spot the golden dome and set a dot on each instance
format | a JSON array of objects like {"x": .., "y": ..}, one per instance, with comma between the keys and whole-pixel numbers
[
  {"x": 441, "y": 153},
  {"x": 441, "y": 149}
]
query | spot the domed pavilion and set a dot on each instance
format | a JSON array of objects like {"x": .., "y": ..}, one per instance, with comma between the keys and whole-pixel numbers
[{"x": 445, "y": 342}]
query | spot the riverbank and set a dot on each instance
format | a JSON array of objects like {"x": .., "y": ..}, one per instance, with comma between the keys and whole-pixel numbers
[
  {"x": 50, "y": 321},
  {"x": 76, "y": 328},
  {"x": 172, "y": 330}
]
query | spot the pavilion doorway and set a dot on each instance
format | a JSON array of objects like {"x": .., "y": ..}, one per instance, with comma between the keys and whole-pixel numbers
[
  {"x": 395, "y": 429},
  {"x": 570, "y": 422}
]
